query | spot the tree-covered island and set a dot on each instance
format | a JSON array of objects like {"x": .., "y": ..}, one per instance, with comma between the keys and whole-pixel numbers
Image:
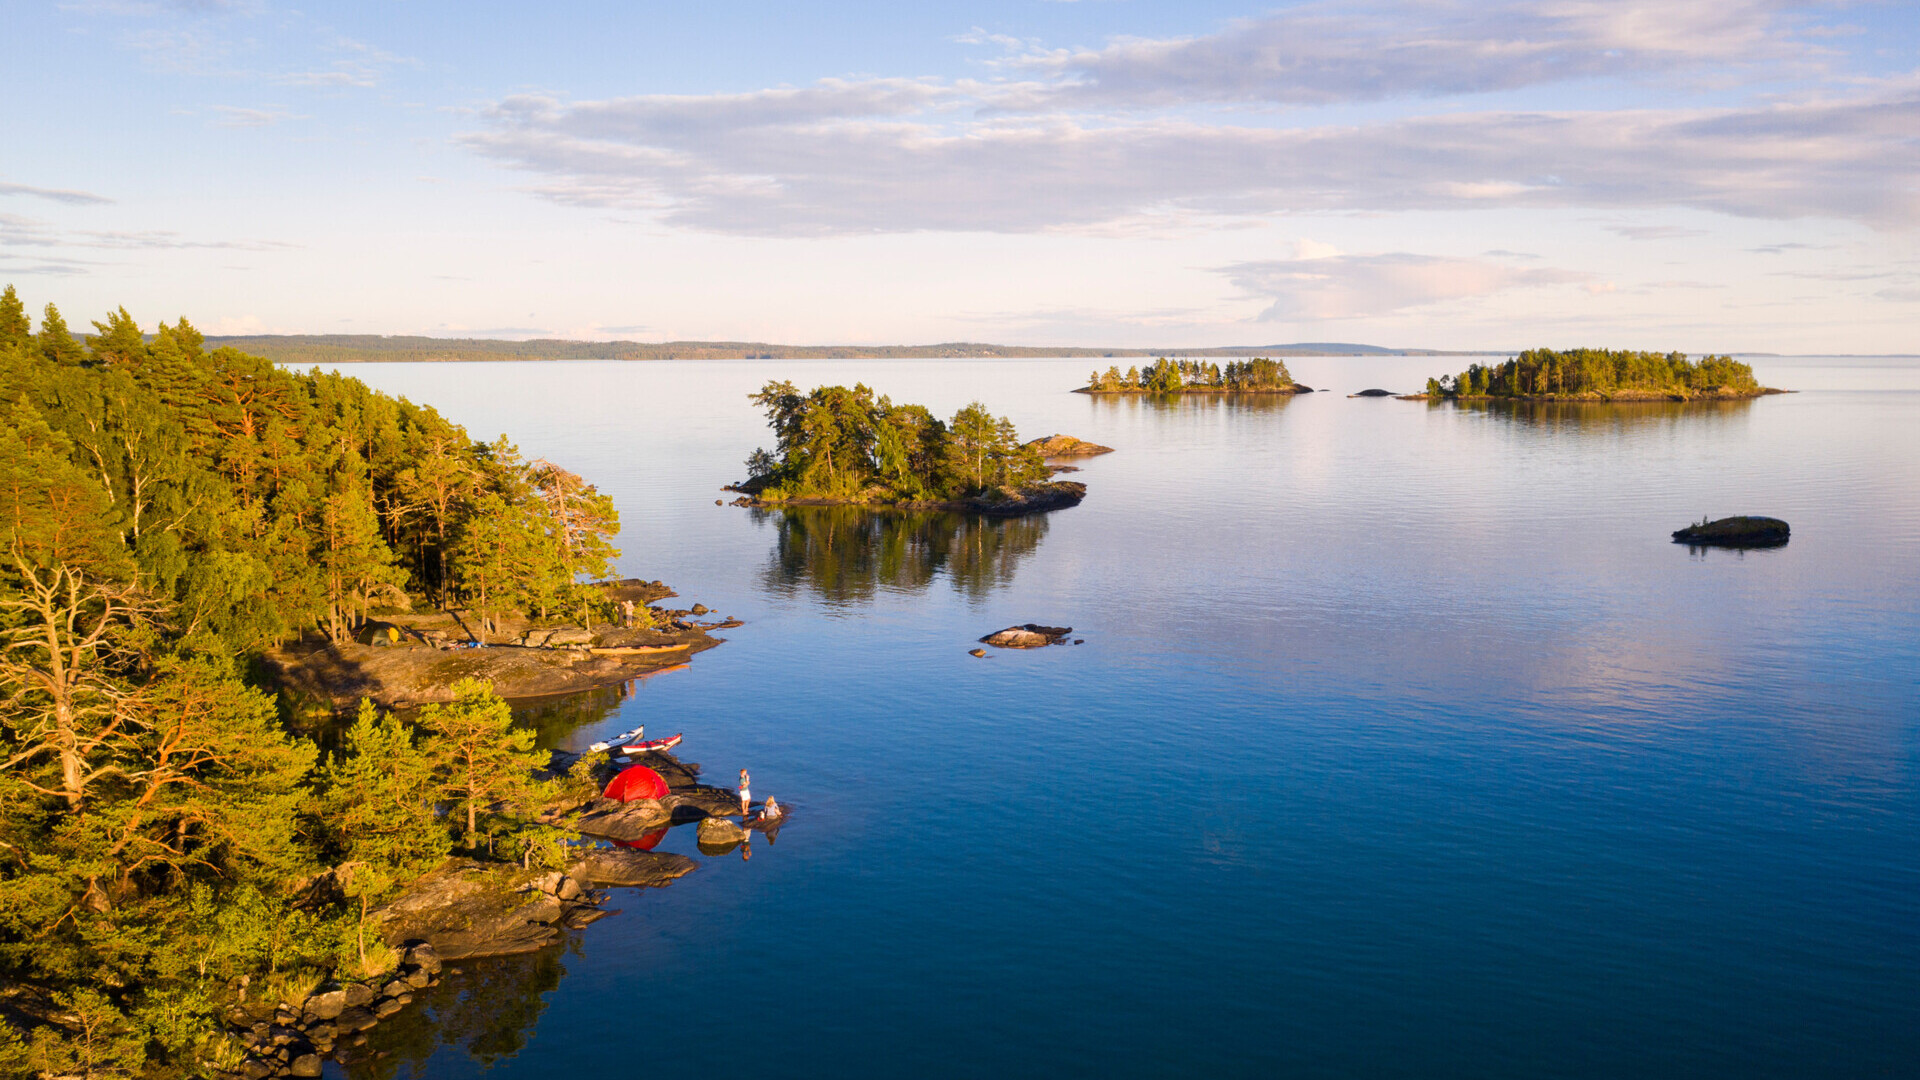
[
  {"x": 836, "y": 445},
  {"x": 1600, "y": 375},
  {"x": 189, "y": 885},
  {"x": 1255, "y": 376}
]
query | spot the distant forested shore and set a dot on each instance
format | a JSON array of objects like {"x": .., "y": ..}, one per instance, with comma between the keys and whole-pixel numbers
[
  {"x": 1600, "y": 375},
  {"x": 307, "y": 349}
]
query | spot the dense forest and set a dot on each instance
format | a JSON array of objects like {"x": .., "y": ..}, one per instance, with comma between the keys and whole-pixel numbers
[
  {"x": 168, "y": 850},
  {"x": 1599, "y": 373},
  {"x": 1163, "y": 376},
  {"x": 371, "y": 348},
  {"x": 835, "y": 443}
]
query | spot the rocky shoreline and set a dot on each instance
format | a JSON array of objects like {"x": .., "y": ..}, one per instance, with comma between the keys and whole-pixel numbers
[
  {"x": 407, "y": 660},
  {"x": 467, "y": 909},
  {"x": 1038, "y": 499}
]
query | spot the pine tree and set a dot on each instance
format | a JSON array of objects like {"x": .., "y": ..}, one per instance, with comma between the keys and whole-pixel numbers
[
  {"x": 15, "y": 331},
  {"x": 484, "y": 761}
]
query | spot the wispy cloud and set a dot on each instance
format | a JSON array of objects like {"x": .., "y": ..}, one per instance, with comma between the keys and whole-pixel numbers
[
  {"x": 1317, "y": 54},
  {"x": 236, "y": 116},
  {"x": 1655, "y": 232},
  {"x": 1371, "y": 286},
  {"x": 62, "y": 195},
  {"x": 888, "y": 156}
]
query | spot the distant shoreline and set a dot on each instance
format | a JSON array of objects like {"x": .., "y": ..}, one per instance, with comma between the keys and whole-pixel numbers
[{"x": 374, "y": 348}]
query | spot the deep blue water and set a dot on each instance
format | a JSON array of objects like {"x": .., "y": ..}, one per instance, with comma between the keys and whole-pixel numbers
[{"x": 1402, "y": 743}]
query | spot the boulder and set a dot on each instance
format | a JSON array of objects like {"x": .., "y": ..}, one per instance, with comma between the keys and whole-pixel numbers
[
  {"x": 976, "y": 652},
  {"x": 422, "y": 956},
  {"x": 305, "y": 1065},
  {"x": 1027, "y": 636},
  {"x": 327, "y": 1004},
  {"x": 719, "y": 830},
  {"x": 358, "y": 994},
  {"x": 1373, "y": 393},
  {"x": 356, "y": 1018},
  {"x": 1736, "y": 532},
  {"x": 628, "y": 868}
]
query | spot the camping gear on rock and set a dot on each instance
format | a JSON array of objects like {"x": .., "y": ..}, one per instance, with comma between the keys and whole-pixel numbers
[
  {"x": 636, "y": 782},
  {"x": 625, "y": 736},
  {"x": 652, "y": 745}
]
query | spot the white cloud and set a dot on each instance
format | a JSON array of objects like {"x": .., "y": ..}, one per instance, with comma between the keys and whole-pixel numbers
[
  {"x": 234, "y": 116},
  {"x": 63, "y": 195},
  {"x": 890, "y": 156},
  {"x": 1317, "y": 54},
  {"x": 1371, "y": 286}
]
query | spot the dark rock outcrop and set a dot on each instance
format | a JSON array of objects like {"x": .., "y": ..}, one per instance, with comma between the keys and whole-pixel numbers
[
  {"x": 625, "y": 868},
  {"x": 1738, "y": 532},
  {"x": 1373, "y": 393},
  {"x": 719, "y": 830},
  {"x": 1027, "y": 636}
]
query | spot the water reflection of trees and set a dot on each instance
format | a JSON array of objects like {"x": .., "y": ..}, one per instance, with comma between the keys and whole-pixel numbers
[
  {"x": 1192, "y": 403},
  {"x": 847, "y": 553},
  {"x": 488, "y": 1011},
  {"x": 1591, "y": 418}
]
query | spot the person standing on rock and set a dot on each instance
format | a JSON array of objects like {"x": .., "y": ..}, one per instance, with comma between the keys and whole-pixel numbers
[
  {"x": 746, "y": 795},
  {"x": 627, "y": 606}
]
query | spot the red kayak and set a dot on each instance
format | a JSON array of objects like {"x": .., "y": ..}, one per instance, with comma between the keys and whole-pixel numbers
[{"x": 652, "y": 745}]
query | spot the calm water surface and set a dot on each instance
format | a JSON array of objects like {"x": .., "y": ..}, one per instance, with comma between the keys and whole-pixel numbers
[{"x": 1403, "y": 742}]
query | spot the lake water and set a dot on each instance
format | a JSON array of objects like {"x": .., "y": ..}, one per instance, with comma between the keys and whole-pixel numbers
[{"x": 1402, "y": 742}]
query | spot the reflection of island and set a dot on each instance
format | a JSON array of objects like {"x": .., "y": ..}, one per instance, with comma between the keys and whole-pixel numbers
[
  {"x": 1590, "y": 419},
  {"x": 847, "y": 553},
  {"x": 1213, "y": 402},
  {"x": 489, "y": 1010}
]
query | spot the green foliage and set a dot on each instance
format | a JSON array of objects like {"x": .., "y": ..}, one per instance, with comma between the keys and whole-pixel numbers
[
  {"x": 482, "y": 762},
  {"x": 262, "y": 503},
  {"x": 166, "y": 849},
  {"x": 1165, "y": 376},
  {"x": 843, "y": 444},
  {"x": 1599, "y": 373}
]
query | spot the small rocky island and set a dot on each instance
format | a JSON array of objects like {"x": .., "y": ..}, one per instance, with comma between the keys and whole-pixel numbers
[
  {"x": 1164, "y": 376},
  {"x": 1599, "y": 375},
  {"x": 1735, "y": 532},
  {"x": 840, "y": 446},
  {"x": 1066, "y": 446}
]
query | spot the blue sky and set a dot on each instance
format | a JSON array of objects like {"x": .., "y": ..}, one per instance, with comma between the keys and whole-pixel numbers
[{"x": 1708, "y": 175}]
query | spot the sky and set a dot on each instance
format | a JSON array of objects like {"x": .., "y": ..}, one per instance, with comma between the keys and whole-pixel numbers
[{"x": 1702, "y": 175}]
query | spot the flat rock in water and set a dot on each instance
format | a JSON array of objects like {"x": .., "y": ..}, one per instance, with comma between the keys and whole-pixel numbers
[
  {"x": 1059, "y": 446},
  {"x": 612, "y": 820},
  {"x": 1026, "y": 636},
  {"x": 629, "y": 869},
  {"x": 1745, "y": 532},
  {"x": 1373, "y": 393}
]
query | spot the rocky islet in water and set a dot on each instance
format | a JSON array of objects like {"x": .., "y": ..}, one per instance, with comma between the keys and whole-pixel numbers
[{"x": 1735, "y": 532}]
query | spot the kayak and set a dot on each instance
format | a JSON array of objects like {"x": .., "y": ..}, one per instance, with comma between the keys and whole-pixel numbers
[
  {"x": 625, "y": 736},
  {"x": 652, "y": 745}
]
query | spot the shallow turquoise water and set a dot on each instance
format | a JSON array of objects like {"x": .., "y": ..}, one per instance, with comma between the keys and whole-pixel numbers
[{"x": 1403, "y": 743}]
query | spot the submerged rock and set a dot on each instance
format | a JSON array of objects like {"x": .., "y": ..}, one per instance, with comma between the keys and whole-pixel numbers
[
  {"x": 1027, "y": 636},
  {"x": 1735, "y": 532}
]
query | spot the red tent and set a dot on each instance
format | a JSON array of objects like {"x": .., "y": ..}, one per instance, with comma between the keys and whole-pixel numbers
[
  {"x": 636, "y": 782},
  {"x": 645, "y": 843}
]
